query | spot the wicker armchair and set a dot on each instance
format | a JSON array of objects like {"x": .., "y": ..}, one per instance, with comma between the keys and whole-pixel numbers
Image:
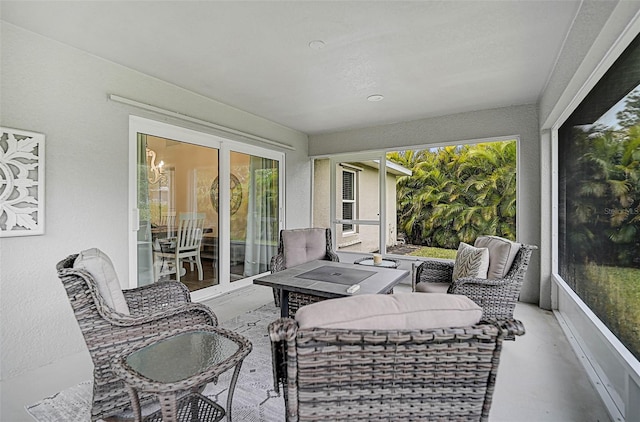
[
  {"x": 497, "y": 297},
  {"x": 153, "y": 309},
  {"x": 291, "y": 253},
  {"x": 341, "y": 374}
]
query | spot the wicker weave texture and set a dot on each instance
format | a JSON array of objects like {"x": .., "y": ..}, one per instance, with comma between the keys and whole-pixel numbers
[
  {"x": 497, "y": 297},
  {"x": 298, "y": 300},
  {"x": 444, "y": 374},
  {"x": 154, "y": 309},
  {"x": 193, "y": 407}
]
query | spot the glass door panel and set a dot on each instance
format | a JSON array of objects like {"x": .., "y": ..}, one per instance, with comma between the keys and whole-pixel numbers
[
  {"x": 177, "y": 181},
  {"x": 254, "y": 205}
]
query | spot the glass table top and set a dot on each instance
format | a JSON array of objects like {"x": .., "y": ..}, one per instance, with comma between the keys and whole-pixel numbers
[
  {"x": 385, "y": 263},
  {"x": 182, "y": 356}
]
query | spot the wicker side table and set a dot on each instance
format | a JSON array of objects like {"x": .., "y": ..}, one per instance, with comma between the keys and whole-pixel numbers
[{"x": 176, "y": 366}]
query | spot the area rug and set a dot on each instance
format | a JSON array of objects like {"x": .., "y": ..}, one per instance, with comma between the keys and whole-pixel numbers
[{"x": 254, "y": 399}]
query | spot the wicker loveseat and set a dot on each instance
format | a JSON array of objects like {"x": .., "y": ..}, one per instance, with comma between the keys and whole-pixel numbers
[
  {"x": 110, "y": 326},
  {"x": 414, "y": 367},
  {"x": 497, "y": 294}
]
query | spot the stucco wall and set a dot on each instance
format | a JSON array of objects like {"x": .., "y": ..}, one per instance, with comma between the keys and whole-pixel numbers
[
  {"x": 62, "y": 92},
  {"x": 510, "y": 122},
  {"x": 321, "y": 193}
]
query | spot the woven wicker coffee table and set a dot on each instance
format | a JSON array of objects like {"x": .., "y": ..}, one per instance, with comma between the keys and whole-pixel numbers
[{"x": 176, "y": 366}]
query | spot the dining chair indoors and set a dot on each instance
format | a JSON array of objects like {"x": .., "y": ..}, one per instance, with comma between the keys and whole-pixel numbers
[
  {"x": 186, "y": 245},
  {"x": 168, "y": 219}
]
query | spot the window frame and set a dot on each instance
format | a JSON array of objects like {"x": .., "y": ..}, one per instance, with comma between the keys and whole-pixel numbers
[
  {"x": 353, "y": 202},
  {"x": 381, "y": 156}
]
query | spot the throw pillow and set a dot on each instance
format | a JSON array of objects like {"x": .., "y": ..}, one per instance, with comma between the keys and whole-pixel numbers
[
  {"x": 99, "y": 265},
  {"x": 400, "y": 311},
  {"x": 502, "y": 252},
  {"x": 470, "y": 262}
]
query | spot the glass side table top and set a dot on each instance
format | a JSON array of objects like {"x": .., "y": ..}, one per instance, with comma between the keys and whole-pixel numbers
[
  {"x": 386, "y": 262},
  {"x": 181, "y": 356}
]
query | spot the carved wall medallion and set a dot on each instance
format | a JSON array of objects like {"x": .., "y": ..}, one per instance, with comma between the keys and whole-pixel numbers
[{"x": 21, "y": 183}]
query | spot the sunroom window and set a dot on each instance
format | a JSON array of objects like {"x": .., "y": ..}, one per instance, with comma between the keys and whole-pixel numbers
[{"x": 599, "y": 199}]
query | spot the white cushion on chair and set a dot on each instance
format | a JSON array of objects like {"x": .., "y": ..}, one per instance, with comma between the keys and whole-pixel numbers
[
  {"x": 303, "y": 245},
  {"x": 470, "y": 262},
  {"x": 403, "y": 311},
  {"x": 99, "y": 265},
  {"x": 502, "y": 252}
]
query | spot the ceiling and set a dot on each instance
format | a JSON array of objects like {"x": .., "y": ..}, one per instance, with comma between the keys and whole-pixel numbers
[{"x": 427, "y": 58}]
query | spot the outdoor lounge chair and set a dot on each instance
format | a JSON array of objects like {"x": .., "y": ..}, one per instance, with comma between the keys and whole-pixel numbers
[
  {"x": 298, "y": 246},
  {"x": 498, "y": 293},
  {"x": 401, "y": 357},
  {"x": 112, "y": 320}
]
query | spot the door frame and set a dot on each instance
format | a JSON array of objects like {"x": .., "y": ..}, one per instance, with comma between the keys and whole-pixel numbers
[{"x": 224, "y": 146}]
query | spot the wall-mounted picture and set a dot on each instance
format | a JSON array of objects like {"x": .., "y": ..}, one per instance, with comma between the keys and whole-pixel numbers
[{"x": 21, "y": 183}]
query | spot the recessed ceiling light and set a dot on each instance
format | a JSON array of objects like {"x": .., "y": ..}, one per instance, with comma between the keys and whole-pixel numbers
[
  {"x": 375, "y": 97},
  {"x": 316, "y": 44}
]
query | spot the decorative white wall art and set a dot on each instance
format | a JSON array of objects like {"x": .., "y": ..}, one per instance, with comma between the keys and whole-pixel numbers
[{"x": 21, "y": 183}]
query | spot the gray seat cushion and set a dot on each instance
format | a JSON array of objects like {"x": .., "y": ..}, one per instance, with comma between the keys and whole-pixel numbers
[
  {"x": 432, "y": 287},
  {"x": 303, "y": 245},
  {"x": 502, "y": 252},
  {"x": 403, "y": 311}
]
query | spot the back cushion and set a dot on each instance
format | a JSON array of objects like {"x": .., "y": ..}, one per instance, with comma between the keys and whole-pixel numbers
[
  {"x": 303, "y": 245},
  {"x": 401, "y": 311},
  {"x": 98, "y": 264},
  {"x": 502, "y": 252}
]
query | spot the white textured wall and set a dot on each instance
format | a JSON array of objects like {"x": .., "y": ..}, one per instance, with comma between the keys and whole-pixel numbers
[
  {"x": 519, "y": 121},
  {"x": 62, "y": 92}
]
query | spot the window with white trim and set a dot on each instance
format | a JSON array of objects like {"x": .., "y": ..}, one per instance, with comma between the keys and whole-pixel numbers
[{"x": 349, "y": 205}]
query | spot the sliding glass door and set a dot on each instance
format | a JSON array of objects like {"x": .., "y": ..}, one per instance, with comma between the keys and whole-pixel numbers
[
  {"x": 254, "y": 213},
  {"x": 175, "y": 178},
  {"x": 206, "y": 210}
]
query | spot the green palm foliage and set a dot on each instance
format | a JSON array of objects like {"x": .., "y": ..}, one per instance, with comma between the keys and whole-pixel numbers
[
  {"x": 457, "y": 193},
  {"x": 603, "y": 195}
]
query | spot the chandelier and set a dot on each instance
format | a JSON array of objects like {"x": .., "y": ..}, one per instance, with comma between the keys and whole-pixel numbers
[{"x": 156, "y": 171}]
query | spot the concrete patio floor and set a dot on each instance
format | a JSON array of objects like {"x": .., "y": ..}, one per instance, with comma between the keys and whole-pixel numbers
[{"x": 540, "y": 378}]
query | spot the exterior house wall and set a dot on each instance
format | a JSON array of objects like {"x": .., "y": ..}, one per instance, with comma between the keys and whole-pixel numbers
[
  {"x": 366, "y": 239},
  {"x": 321, "y": 193},
  {"x": 62, "y": 92}
]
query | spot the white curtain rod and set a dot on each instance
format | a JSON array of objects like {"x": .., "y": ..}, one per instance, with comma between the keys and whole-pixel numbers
[{"x": 184, "y": 117}]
